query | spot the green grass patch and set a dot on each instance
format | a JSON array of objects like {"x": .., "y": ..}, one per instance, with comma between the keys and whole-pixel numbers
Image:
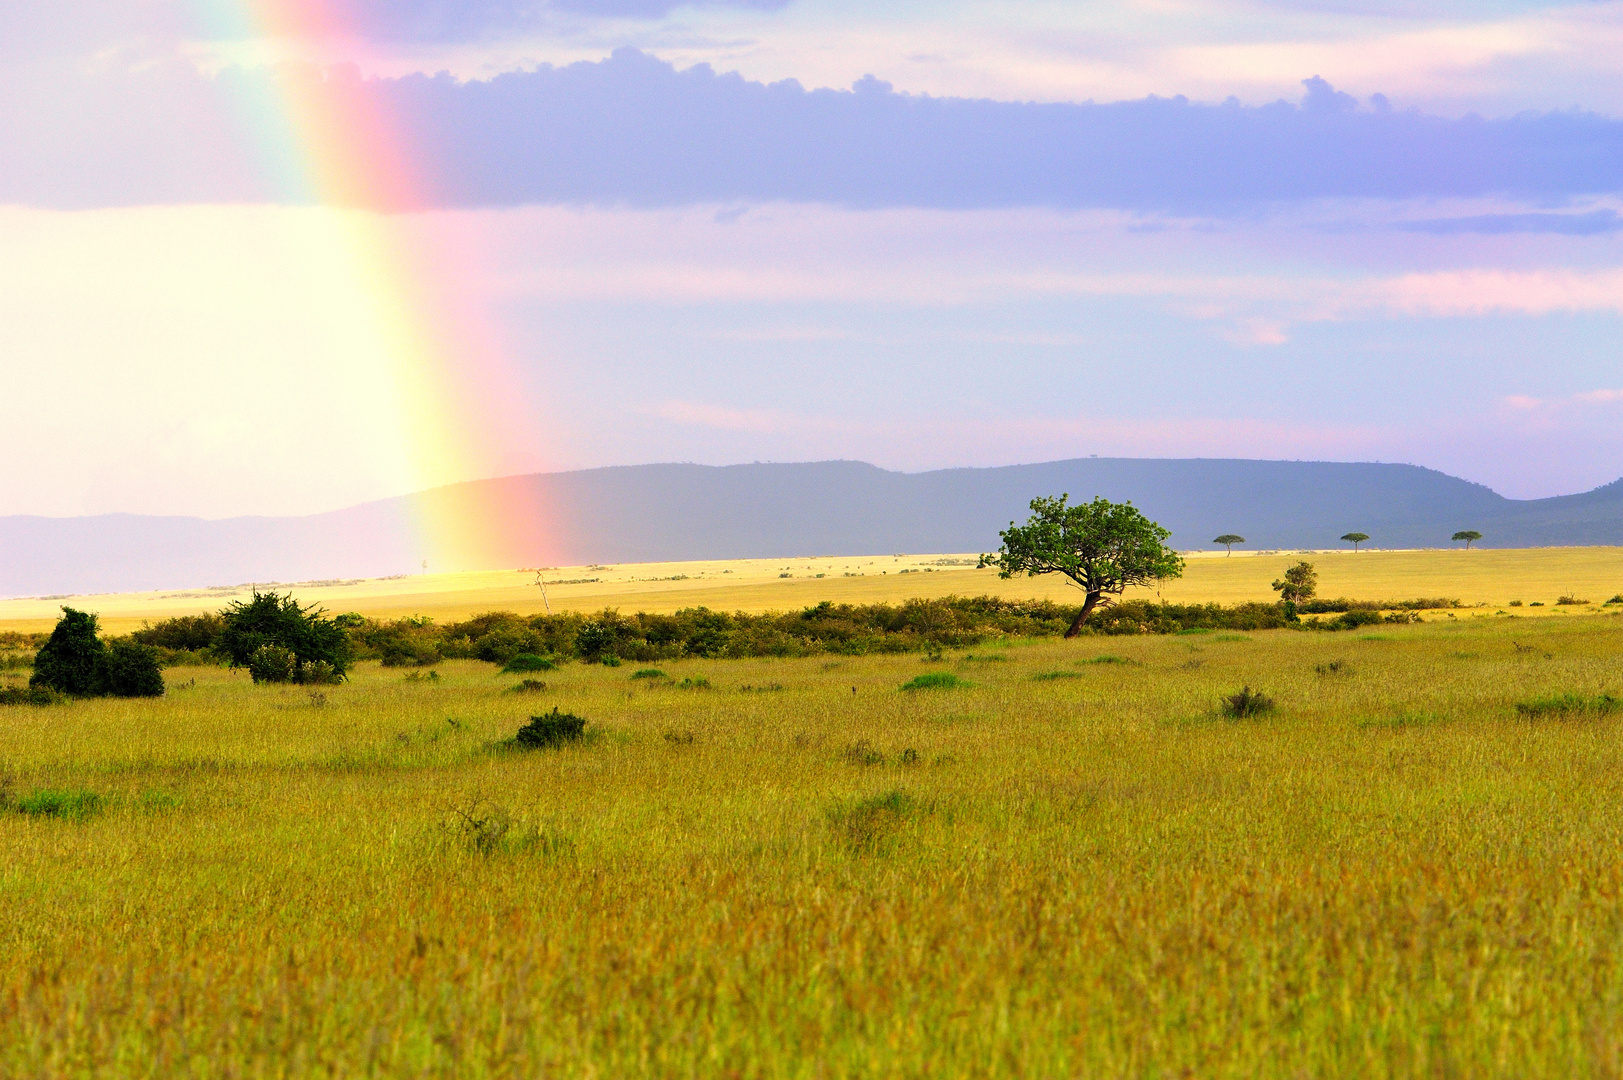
[
  {"x": 1106, "y": 659},
  {"x": 68, "y": 804},
  {"x": 648, "y": 673},
  {"x": 936, "y": 680},
  {"x": 1231, "y": 637},
  {"x": 1565, "y": 706},
  {"x": 1050, "y": 676}
]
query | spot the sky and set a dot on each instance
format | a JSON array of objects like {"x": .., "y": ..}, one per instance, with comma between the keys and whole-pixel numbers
[{"x": 283, "y": 256}]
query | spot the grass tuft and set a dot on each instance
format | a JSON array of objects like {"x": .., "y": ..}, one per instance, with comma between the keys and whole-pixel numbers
[
  {"x": 1247, "y": 703},
  {"x": 936, "y": 680},
  {"x": 1565, "y": 706},
  {"x": 68, "y": 804},
  {"x": 648, "y": 673}
]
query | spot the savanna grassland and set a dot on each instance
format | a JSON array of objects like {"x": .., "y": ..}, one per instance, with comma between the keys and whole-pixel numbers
[{"x": 1072, "y": 863}]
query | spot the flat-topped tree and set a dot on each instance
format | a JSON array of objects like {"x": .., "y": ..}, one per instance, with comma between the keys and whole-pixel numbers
[
  {"x": 1102, "y": 547},
  {"x": 1467, "y": 535},
  {"x": 1228, "y": 540},
  {"x": 1355, "y": 539}
]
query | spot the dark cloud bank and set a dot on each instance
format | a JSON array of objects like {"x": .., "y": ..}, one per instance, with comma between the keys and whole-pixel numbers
[{"x": 633, "y": 130}]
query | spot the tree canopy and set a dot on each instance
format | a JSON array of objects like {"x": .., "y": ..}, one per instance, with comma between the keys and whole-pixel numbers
[
  {"x": 1299, "y": 583},
  {"x": 1228, "y": 540},
  {"x": 1101, "y": 546},
  {"x": 275, "y": 622},
  {"x": 1355, "y": 538},
  {"x": 1467, "y": 535}
]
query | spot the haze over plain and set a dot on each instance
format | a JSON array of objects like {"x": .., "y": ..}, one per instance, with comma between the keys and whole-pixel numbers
[{"x": 260, "y": 261}]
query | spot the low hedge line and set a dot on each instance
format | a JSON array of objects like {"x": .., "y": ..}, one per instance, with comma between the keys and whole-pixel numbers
[{"x": 854, "y": 629}]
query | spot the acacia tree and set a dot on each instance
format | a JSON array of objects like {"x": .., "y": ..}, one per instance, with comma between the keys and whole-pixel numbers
[
  {"x": 1228, "y": 540},
  {"x": 1102, "y": 547},
  {"x": 1299, "y": 583},
  {"x": 1355, "y": 539},
  {"x": 1467, "y": 535}
]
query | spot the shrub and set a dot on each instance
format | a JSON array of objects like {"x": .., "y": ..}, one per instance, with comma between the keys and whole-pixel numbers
[
  {"x": 70, "y": 805},
  {"x": 1247, "y": 703},
  {"x": 132, "y": 670},
  {"x": 31, "y": 695},
  {"x": 529, "y": 686},
  {"x": 183, "y": 633},
  {"x": 280, "y": 622},
  {"x": 318, "y": 673},
  {"x": 648, "y": 673},
  {"x": 71, "y": 660},
  {"x": 1569, "y": 601},
  {"x": 272, "y": 664},
  {"x": 550, "y": 730},
  {"x": 528, "y": 662},
  {"x": 1562, "y": 706},
  {"x": 936, "y": 680},
  {"x": 696, "y": 683},
  {"x": 1618, "y": 599}
]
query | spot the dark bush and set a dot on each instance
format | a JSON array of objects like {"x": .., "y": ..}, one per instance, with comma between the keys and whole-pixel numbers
[
  {"x": 280, "y": 623},
  {"x": 551, "y": 729},
  {"x": 72, "y": 659},
  {"x": 132, "y": 670},
  {"x": 184, "y": 633},
  {"x": 31, "y": 695},
  {"x": 528, "y": 662},
  {"x": 1247, "y": 703}
]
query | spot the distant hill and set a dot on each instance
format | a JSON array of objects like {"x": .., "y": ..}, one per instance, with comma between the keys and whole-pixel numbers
[{"x": 647, "y": 513}]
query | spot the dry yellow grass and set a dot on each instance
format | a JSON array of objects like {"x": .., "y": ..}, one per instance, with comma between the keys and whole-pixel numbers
[
  {"x": 1492, "y": 577},
  {"x": 1081, "y": 869}
]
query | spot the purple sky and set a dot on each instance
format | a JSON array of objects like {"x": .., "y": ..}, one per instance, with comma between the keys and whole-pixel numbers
[{"x": 921, "y": 235}]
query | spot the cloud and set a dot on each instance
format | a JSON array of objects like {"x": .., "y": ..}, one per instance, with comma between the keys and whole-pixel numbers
[
  {"x": 1592, "y": 223},
  {"x": 633, "y": 130}
]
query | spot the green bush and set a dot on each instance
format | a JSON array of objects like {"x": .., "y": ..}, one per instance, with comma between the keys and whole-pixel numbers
[
  {"x": 551, "y": 729},
  {"x": 132, "y": 670},
  {"x": 183, "y": 633},
  {"x": 279, "y": 623},
  {"x": 649, "y": 673},
  {"x": 31, "y": 695},
  {"x": 272, "y": 664},
  {"x": 72, "y": 660}
]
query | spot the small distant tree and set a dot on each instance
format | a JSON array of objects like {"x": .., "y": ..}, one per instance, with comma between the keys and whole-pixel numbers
[
  {"x": 1300, "y": 583},
  {"x": 1355, "y": 539},
  {"x": 1102, "y": 547},
  {"x": 279, "y": 623},
  {"x": 1468, "y": 535},
  {"x": 1228, "y": 540}
]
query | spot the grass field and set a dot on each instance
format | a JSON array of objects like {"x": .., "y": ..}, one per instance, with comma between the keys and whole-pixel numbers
[
  {"x": 1493, "y": 577},
  {"x": 1071, "y": 864}
]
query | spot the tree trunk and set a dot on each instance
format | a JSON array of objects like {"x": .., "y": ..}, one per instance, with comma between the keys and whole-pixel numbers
[{"x": 1082, "y": 616}]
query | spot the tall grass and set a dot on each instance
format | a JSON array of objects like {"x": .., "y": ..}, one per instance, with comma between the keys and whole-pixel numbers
[{"x": 1021, "y": 877}]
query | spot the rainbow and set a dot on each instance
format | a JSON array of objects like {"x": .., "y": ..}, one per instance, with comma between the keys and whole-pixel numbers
[{"x": 325, "y": 136}]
